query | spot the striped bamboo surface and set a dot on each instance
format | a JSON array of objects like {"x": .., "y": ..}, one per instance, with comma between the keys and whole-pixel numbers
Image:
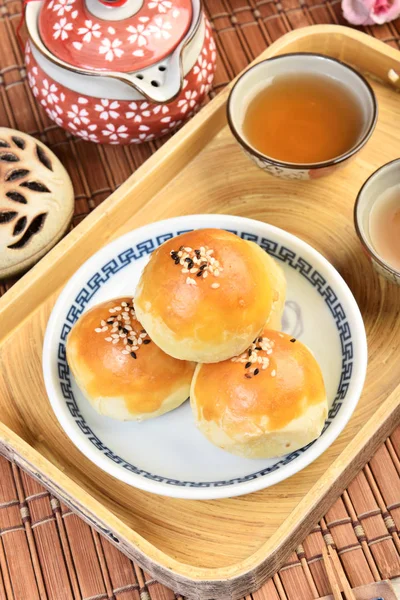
[{"x": 46, "y": 552}]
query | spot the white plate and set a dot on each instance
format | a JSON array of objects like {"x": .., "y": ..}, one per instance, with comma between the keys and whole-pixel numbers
[{"x": 168, "y": 455}]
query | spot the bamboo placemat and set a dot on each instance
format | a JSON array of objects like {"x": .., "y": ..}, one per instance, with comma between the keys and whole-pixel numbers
[{"x": 48, "y": 553}]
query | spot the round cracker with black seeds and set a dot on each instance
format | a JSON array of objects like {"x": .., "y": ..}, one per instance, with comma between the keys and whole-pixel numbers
[{"x": 36, "y": 201}]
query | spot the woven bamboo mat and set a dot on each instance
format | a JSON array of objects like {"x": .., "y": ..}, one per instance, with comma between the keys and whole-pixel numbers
[{"x": 48, "y": 553}]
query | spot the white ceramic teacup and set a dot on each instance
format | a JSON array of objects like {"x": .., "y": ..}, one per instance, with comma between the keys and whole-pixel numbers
[
  {"x": 264, "y": 73},
  {"x": 381, "y": 180}
]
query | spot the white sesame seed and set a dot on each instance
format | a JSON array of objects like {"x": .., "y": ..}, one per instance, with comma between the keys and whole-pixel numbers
[
  {"x": 143, "y": 335},
  {"x": 118, "y": 308},
  {"x": 215, "y": 285},
  {"x": 102, "y": 322},
  {"x": 105, "y": 328},
  {"x": 193, "y": 270},
  {"x": 108, "y": 339},
  {"x": 190, "y": 281},
  {"x": 205, "y": 274},
  {"x": 273, "y": 373},
  {"x": 98, "y": 330},
  {"x": 115, "y": 341},
  {"x": 265, "y": 366},
  {"x": 125, "y": 352},
  {"x": 111, "y": 310},
  {"x": 216, "y": 273},
  {"x": 114, "y": 335}
]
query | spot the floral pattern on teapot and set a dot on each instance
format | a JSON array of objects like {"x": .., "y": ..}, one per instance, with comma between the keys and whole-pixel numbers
[{"x": 102, "y": 120}]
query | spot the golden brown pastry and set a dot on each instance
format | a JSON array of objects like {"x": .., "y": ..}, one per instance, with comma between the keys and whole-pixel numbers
[
  {"x": 122, "y": 373},
  {"x": 205, "y": 295},
  {"x": 267, "y": 402}
]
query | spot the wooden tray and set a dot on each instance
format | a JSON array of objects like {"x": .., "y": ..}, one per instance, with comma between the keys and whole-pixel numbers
[{"x": 216, "y": 549}]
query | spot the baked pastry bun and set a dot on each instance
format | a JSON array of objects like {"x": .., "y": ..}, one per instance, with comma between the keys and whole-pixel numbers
[
  {"x": 267, "y": 402},
  {"x": 122, "y": 373},
  {"x": 204, "y": 295}
]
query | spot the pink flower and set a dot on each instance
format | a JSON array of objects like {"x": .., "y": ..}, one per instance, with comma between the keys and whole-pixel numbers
[{"x": 370, "y": 12}]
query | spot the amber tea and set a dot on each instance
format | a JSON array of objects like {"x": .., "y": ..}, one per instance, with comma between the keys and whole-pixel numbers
[
  {"x": 384, "y": 226},
  {"x": 304, "y": 118}
]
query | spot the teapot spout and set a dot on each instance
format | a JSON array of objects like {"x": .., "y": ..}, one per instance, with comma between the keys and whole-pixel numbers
[{"x": 159, "y": 83}]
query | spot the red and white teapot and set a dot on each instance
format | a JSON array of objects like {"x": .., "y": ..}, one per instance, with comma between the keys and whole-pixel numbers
[{"x": 119, "y": 71}]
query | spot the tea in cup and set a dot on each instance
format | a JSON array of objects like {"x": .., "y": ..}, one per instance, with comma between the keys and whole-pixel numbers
[{"x": 300, "y": 116}]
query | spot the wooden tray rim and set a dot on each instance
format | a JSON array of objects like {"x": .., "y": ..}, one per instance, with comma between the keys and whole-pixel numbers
[{"x": 250, "y": 573}]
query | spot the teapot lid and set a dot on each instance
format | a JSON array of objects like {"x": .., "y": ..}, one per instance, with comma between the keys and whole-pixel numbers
[{"x": 114, "y": 35}]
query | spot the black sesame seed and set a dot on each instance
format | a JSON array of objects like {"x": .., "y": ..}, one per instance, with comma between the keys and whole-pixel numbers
[
  {"x": 130, "y": 342},
  {"x": 249, "y": 351},
  {"x": 247, "y": 365},
  {"x": 133, "y": 354},
  {"x": 188, "y": 259},
  {"x": 260, "y": 339},
  {"x": 190, "y": 264},
  {"x": 199, "y": 274},
  {"x": 247, "y": 375},
  {"x": 143, "y": 331},
  {"x": 177, "y": 261},
  {"x": 110, "y": 321},
  {"x": 256, "y": 371},
  {"x": 258, "y": 348},
  {"x": 293, "y": 340},
  {"x": 197, "y": 253},
  {"x": 146, "y": 342},
  {"x": 125, "y": 330},
  {"x": 203, "y": 266}
]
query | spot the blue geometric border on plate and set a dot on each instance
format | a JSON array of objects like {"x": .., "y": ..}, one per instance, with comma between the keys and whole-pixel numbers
[{"x": 131, "y": 254}]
